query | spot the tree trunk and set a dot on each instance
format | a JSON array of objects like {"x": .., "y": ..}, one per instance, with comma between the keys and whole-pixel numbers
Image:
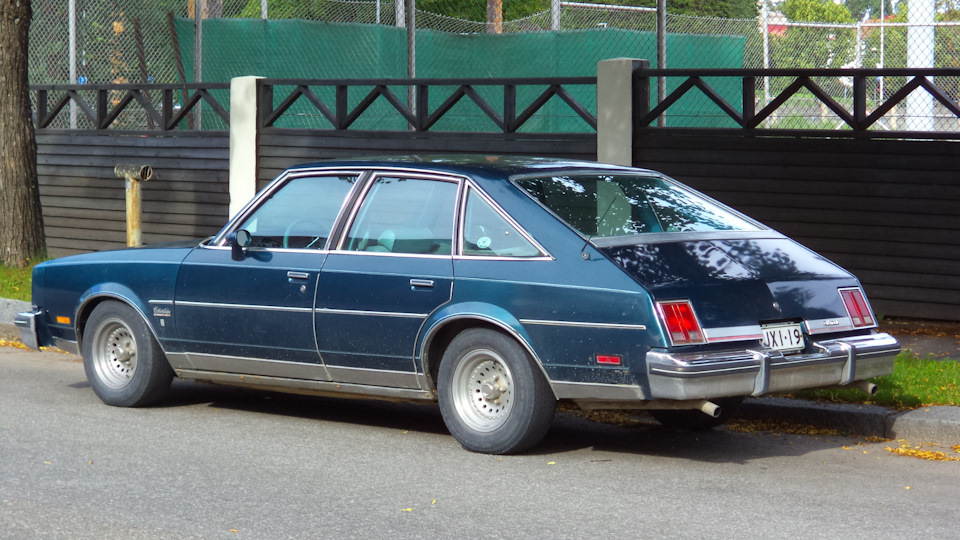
[{"x": 21, "y": 221}]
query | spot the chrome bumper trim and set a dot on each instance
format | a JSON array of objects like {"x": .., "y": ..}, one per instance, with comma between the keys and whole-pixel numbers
[
  {"x": 27, "y": 323},
  {"x": 762, "y": 371}
]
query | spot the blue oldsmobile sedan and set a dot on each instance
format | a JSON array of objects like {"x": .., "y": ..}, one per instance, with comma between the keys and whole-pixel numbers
[{"x": 495, "y": 286}]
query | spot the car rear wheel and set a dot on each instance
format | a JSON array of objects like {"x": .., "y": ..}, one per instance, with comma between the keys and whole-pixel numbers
[
  {"x": 123, "y": 362},
  {"x": 493, "y": 397},
  {"x": 696, "y": 420}
]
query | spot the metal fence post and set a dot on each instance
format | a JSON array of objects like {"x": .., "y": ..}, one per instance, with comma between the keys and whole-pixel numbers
[{"x": 661, "y": 56}]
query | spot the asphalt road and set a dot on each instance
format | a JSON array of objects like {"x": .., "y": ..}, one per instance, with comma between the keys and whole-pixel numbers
[{"x": 219, "y": 462}]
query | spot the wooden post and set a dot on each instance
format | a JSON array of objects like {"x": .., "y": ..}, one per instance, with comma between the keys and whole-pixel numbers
[{"x": 134, "y": 174}]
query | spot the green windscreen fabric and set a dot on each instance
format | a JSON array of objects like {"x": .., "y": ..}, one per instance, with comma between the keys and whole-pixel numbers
[{"x": 292, "y": 48}]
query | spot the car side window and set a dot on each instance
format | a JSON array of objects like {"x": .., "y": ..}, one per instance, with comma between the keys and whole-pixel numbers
[
  {"x": 487, "y": 232},
  {"x": 405, "y": 215},
  {"x": 300, "y": 214}
]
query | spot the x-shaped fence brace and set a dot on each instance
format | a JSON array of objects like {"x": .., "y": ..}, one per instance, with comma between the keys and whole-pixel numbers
[
  {"x": 857, "y": 118},
  {"x": 102, "y": 115},
  {"x": 420, "y": 117}
]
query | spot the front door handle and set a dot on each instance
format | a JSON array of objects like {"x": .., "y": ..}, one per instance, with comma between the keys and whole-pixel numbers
[
  {"x": 427, "y": 283},
  {"x": 298, "y": 275}
]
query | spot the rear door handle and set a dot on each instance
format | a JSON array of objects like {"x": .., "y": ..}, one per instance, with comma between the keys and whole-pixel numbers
[
  {"x": 428, "y": 283},
  {"x": 298, "y": 275}
]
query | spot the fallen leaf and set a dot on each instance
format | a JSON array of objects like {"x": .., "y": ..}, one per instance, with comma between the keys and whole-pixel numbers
[
  {"x": 406, "y": 510},
  {"x": 551, "y": 463}
]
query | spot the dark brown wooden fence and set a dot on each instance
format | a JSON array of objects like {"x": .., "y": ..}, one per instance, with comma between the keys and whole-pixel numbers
[
  {"x": 83, "y": 201},
  {"x": 882, "y": 204}
]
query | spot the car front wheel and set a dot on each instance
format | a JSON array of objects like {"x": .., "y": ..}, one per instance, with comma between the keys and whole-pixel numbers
[
  {"x": 493, "y": 397},
  {"x": 122, "y": 360}
]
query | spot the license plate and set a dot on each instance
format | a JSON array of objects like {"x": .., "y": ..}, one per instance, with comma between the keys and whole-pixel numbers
[{"x": 783, "y": 337}]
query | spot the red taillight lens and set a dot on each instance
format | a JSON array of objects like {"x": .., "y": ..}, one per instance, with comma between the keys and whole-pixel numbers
[
  {"x": 681, "y": 322},
  {"x": 611, "y": 359},
  {"x": 857, "y": 307}
]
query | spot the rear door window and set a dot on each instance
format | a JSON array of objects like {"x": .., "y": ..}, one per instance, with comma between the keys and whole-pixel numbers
[{"x": 405, "y": 215}]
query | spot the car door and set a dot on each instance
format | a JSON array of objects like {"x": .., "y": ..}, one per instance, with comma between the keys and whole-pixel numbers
[
  {"x": 255, "y": 315},
  {"x": 392, "y": 268}
]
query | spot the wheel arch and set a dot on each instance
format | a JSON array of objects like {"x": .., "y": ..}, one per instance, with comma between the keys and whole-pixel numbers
[
  {"x": 105, "y": 293},
  {"x": 444, "y": 328}
]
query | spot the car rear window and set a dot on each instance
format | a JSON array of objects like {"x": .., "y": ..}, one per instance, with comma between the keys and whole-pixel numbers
[{"x": 623, "y": 205}]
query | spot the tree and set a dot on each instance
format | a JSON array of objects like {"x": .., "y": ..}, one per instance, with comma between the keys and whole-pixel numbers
[
  {"x": 871, "y": 8},
  {"x": 805, "y": 47},
  {"x": 21, "y": 221}
]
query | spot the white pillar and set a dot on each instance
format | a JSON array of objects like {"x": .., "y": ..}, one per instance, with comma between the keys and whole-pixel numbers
[
  {"x": 920, "y": 55},
  {"x": 554, "y": 14},
  {"x": 615, "y": 110},
  {"x": 243, "y": 142}
]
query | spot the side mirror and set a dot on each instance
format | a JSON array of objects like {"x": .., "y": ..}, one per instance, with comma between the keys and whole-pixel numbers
[{"x": 239, "y": 242}]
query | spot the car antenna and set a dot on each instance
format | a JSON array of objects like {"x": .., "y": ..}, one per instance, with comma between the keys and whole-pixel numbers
[{"x": 583, "y": 251}]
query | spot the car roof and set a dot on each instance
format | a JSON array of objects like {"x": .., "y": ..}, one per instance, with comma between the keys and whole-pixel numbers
[{"x": 471, "y": 164}]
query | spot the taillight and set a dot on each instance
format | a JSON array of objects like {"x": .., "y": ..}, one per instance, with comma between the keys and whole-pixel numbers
[
  {"x": 857, "y": 307},
  {"x": 681, "y": 322}
]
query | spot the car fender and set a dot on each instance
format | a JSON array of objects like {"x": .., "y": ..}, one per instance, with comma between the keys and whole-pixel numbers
[
  {"x": 478, "y": 311},
  {"x": 108, "y": 291}
]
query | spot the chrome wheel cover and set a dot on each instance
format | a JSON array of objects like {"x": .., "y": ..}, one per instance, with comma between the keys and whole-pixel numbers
[
  {"x": 114, "y": 353},
  {"x": 482, "y": 390}
]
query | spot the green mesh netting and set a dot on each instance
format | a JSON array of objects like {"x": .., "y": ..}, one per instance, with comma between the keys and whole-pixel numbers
[{"x": 321, "y": 50}]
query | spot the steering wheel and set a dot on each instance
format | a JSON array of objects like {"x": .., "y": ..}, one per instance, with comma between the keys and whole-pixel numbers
[{"x": 293, "y": 224}]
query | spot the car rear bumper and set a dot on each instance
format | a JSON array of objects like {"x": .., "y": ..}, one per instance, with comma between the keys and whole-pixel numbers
[{"x": 763, "y": 371}]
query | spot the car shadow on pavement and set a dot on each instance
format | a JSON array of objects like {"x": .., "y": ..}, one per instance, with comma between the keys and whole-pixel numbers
[
  {"x": 717, "y": 445},
  {"x": 568, "y": 433}
]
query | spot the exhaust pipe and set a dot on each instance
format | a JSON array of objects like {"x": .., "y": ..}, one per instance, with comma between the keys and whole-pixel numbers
[
  {"x": 710, "y": 409},
  {"x": 868, "y": 387}
]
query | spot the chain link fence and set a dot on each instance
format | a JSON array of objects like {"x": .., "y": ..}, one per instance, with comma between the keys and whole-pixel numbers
[{"x": 136, "y": 41}]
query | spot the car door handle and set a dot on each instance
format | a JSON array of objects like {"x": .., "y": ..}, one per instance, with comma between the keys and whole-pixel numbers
[
  {"x": 298, "y": 275},
  {"x": 421, "y": 283}
]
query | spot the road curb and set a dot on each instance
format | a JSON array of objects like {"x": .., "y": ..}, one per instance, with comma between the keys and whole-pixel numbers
[
  {"x": 939, "y": 425},
  {"x": 8, "y": 311}
]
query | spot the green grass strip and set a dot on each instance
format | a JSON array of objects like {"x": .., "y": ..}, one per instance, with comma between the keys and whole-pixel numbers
[
  {"x": 915, "y": 382},
  {"x": 15, "y": 283}
]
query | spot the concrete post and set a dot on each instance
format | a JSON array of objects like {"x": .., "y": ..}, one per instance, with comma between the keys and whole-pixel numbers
[
  {"x": 243, "y": 141},
  {"x": 617, "y": 106}
]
